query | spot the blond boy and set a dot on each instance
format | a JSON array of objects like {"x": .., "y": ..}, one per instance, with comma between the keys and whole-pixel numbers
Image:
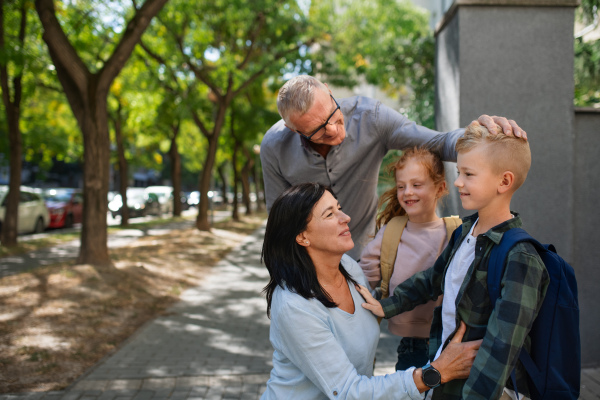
[{"x": 490, "y": 170}]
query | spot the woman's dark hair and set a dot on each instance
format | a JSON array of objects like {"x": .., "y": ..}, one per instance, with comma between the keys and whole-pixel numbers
[{"x": 289, "y": 263}]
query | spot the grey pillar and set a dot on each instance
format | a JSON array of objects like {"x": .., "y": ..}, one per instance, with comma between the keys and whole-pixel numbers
[
  {"x": 587, "y": 235},
  {"x": 514, "y": 58}
]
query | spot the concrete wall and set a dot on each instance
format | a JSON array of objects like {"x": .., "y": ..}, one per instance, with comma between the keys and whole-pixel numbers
[
  {"x": 586, "y": 219},
  {"x": 515, "y": 58},
  {"x": 447, "y": 101},
  {"x": 517, "y": 62}
]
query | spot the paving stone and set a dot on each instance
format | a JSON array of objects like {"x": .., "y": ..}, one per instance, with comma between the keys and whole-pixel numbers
[{"x": 124, "y": 384}]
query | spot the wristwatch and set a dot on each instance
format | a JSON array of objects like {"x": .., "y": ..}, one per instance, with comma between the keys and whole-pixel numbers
[{"x": 431, "y": 377}]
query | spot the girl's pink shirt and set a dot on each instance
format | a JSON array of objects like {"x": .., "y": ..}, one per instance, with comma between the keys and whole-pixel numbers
[{"x": 420, "y": 246}]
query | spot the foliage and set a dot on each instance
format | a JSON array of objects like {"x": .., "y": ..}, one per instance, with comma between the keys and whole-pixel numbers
[
  {"x": 208, "y": 54},
  {"x": 93, "y": 27},
  {"x": 589, "y": 8},
  {"x": 587, "y": 58},
  {"x": 50, "y": 132},
  {"x": 48, "y": 129},
  {"x": 389, "y": 44},
  {"x": 140, "y": 102},
  {"x": 587, "y": 73}
]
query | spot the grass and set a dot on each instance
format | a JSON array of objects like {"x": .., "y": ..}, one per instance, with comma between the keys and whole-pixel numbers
[
  {"x": 26, "y": 246},
  {"x": 57, "y": 237}
]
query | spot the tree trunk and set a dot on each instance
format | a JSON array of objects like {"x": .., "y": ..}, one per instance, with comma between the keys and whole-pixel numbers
[
  {"x": 257, "y": 174},
  {"x": 245, "y": 179},
  {"x": 235, "y": 215},
  {"x": 96, "y": 153},
  {"x": 202, "y": 222},
  {"x": 175, "y": 171},
  {"x": 8, "y": 231},
  {"x": 87, "y": 95},
  {"x": 123, "y": 167},
  {"x": 223, "y": 175},
  {"x": 11, "y": 214}
]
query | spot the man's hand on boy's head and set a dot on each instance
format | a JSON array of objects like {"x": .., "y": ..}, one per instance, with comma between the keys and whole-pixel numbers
[
  {"x": 509, "y": 126},
  {"x": 371, "y": 304}
]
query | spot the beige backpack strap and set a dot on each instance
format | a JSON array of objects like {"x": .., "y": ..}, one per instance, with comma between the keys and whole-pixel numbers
[
  {"x": 452, "y": 222},
  {"x": 389, "y": 248}
]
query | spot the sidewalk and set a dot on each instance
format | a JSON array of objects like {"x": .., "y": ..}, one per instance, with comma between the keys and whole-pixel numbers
[{"x": 213, "y": 344}]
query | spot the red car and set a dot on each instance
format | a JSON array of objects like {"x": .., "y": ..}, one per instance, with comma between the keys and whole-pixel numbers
[{"x": 65, "y": 206}]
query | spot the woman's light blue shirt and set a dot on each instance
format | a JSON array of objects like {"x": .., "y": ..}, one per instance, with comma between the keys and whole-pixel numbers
[{"x": 327, "y": 353}]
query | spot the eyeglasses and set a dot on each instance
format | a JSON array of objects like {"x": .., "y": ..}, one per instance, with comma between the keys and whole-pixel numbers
[{"x": 308, "y": 137}]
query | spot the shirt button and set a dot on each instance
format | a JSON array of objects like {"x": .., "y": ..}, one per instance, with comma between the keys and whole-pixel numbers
[
  {"x": 334, "y": 393},
  {"x": 329, "y": 169},
  {"x": 333, "y": 184}
]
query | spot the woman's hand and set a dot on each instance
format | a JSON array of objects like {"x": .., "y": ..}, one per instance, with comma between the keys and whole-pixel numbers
[
  {"x": 457, "y": 358},
  {"x": 455, "y": 361},
  {"x": 371, "y": 304},
  {"x": 509, "y": 126}
]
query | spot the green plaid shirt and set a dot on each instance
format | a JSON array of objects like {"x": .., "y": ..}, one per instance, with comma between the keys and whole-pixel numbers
[{"x": 504, "y": 328}]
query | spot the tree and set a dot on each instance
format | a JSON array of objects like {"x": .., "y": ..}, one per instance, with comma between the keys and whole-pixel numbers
[
  {"x": 587, "y": 58},
  {"x": 252, "y": 119},
  {"x": 134, "y": 108},
  {"x": 390, "y": 46},
  {"x": 225, "y": 46},
  {"x": 16, "y": 58},
  {"x": 119, "y": 117},
  {"x": 87, "y": 91},
  {"x": 170, "y": 114}
]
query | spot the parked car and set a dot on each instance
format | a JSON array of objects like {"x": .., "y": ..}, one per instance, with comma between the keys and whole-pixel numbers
[
  {"x": 183, "y": 197},
  {"x": 65, "y": 206},
  {"x": 111, "y": 195},
  {"x": 139, "y": 203},
  {"x": 33, "y": 214},
  {"x": 193, "y": 198},
  {"x": 165, "y": 197},
  {"x": 215, "y": 196}
]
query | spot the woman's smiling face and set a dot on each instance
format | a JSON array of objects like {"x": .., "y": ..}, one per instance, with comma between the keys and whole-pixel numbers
[{"x": 327, "y": 231}]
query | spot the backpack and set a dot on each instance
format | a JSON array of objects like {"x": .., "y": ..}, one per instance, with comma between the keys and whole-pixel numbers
[
  {"x": 554, "y": 364},
  {"x": 390, "y": 242}
]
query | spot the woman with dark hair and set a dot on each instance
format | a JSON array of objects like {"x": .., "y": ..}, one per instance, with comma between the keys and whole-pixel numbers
[{"x": 324, "y": 341}]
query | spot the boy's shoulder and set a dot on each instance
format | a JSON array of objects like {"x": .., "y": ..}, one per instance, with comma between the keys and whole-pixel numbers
[
  {"x": 521, "y": 252},
  {"x": 498, "y": 235}
]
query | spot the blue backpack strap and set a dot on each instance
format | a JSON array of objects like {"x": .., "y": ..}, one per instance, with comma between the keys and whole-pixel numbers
[
  {"x": 496, "y": 270},
  {"x": 455, "y": 235},
  {"x": 498, "y": 258}
]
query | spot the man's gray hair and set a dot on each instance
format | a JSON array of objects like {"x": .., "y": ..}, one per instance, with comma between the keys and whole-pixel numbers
[{"x": 297, "y": 95}]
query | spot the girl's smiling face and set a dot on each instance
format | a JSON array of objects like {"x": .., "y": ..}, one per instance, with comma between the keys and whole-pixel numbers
[{"x": 417, "y": 192}]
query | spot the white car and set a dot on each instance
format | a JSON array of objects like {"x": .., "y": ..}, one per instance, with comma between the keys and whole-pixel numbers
[
  {"x": 33, "y": 214},
  {"x": 165, "y": 197}
]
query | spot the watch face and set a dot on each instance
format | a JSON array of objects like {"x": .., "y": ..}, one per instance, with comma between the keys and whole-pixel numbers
[{"x": 431, "y": 377}]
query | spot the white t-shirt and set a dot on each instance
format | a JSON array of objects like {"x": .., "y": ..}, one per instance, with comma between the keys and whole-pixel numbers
[{"x": 455, "y": 275}]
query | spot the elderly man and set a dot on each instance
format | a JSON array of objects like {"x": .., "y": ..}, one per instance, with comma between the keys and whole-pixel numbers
[{"x": 341, "y": 143}]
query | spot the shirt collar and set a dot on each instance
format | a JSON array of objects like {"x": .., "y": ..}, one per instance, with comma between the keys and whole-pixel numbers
[{"x": 495, "y": 234}]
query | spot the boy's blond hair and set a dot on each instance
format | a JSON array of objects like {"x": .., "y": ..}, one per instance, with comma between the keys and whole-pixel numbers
[{"x": 504, "y": 152}]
